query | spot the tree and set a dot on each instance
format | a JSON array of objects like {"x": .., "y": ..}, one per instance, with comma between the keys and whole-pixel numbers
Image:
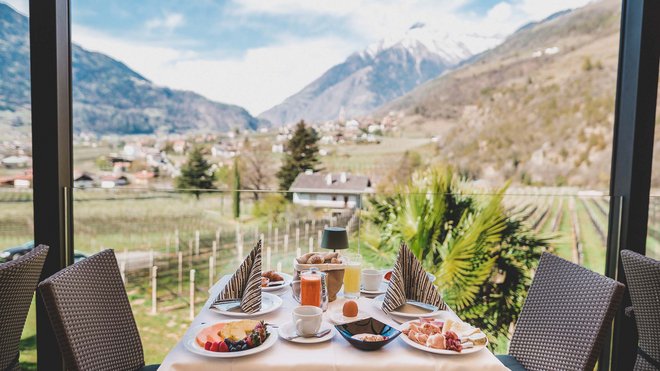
[
  {"x": 302, "y": 154},
  {"x": 196, "y": 174},
  {"x": 236, "y": 192},
  {"x": 256, "y": 167},
  {"x": 481, "y": 256}
]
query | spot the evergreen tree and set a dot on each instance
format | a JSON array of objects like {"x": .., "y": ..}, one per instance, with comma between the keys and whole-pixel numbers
[
  {"x": 301, "y": 155},
  {"x": 196, "y": 174},
  {"x": 236, "y": 194}
]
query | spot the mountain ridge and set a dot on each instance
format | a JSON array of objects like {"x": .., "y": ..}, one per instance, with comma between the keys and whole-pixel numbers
[
  {"x": 108, "y": 96},
  {"x": 375, "y": 75}
]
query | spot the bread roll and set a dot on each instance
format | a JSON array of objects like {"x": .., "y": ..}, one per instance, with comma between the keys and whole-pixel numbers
[{"x": 315, "y": 259}]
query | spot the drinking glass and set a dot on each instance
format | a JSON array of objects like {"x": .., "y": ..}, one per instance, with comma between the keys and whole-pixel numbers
[{"x": 352, "y": 277}]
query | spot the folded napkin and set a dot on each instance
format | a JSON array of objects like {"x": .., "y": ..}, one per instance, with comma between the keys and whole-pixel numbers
[
  {"x": 245, "y": 284},
  {"x": 410, "y": 282}
]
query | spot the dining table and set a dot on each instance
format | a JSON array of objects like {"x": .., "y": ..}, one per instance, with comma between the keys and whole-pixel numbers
[{"x": 335, "y": 354}]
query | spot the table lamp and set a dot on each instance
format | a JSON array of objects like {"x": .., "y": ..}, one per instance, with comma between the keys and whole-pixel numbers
[{"x": 334, "y": 238}]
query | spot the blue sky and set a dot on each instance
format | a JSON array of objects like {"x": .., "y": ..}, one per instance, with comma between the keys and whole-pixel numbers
[{"x": 255, "y": 53}]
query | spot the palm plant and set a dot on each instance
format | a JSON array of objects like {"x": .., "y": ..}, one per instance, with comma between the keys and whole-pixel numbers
[{"x": 481, "y": 256}]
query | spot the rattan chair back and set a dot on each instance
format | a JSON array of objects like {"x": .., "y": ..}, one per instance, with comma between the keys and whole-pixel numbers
[
  {"x": 18, "y": 280},
  {"x": 91, "y": 316},
  {"x": 565, "y": 317},
  {"x": 643, "y": 282}
]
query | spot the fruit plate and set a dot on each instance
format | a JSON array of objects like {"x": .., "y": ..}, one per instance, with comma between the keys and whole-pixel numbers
[
  {"x": 287, "y": 281},
  {"x": 269, "y": 303},
  {"x": 413, "y": 311},
  {"x": 413, "y": 344},
  {"x": 191, "y": 345}
]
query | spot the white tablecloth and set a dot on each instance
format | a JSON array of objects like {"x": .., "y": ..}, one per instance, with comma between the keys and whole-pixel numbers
[{"x": 336, "y": 354}]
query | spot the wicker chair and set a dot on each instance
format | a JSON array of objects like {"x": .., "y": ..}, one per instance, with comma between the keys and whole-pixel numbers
[
  {"x": 18, "y": 280},
  {"x": 91, "y": 316},
  {"x": 643, "y": 278},
  {"x": 565, "y": 318}
]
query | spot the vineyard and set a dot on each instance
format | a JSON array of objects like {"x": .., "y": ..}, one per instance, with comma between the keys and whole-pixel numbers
[{"x": 181, "y": 246}]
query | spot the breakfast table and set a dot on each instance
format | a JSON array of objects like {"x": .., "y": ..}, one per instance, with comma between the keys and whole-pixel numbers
[{"x": 335, "y": 354}]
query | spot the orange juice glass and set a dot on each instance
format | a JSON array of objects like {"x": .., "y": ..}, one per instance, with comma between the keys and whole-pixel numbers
[{"x": 310, "y": 289}]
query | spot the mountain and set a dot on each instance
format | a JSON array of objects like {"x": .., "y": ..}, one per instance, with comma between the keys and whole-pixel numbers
[
  {"x": 537, "y": 109},
  {"x": 383, "y": 71},
  {"x": 108, "y": 97}
]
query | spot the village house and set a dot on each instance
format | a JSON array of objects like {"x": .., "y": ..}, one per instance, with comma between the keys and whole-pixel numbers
[{"x": 330, "y": 190}]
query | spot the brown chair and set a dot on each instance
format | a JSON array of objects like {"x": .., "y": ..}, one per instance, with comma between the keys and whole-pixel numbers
[
  {"x": 91, "y": 316},
  {"x": 643, "y": 279},
  {"x": 565, "y": 318},
  {"x": 18, "y": 280}
]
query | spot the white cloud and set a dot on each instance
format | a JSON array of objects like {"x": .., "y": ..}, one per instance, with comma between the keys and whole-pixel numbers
[
  {"x": 22, "y": 6},
  {"x": 265, "y": 76},
  {"x": 258, "y": 80},
  {"x": 168, "y": 22}
]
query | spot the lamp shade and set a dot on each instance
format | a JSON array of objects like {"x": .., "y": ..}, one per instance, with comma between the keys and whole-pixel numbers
[{"x": 334, "y": 238}]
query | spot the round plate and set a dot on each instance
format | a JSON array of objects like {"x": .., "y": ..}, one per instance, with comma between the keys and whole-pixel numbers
[
  {"x": 191, "y": 345},
  {"x": 378, "y": 302},
  {"x": 413, "y": 344},
  {"x": 337, "y": 316},
  {"x": 287, "y": 280},
  {"x": 288, "y": 329},
  {"x": 269, "y": 303}
]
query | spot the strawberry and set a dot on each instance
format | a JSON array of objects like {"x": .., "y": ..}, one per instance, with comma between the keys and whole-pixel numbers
[
  {"x": 207, "y": 346},
  {"x": 223, "y": 347},
  {"x": 249, "y": 341},
  {"x": 214, "y": 346}
]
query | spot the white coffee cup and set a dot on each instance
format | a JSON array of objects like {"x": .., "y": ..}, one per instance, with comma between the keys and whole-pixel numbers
[
  {"x": 371, "y": 279},
  {"x": 308, "y": 319}
]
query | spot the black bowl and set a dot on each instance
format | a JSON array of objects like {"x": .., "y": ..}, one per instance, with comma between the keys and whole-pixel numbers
[{"x": 367, "y": 326}]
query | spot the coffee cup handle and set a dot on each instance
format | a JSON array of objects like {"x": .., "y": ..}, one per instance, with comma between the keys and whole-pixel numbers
[{"x": 299, "y": 326}]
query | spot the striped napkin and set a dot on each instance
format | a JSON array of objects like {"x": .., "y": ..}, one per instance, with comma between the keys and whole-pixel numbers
[
  {"x": 410, "y": 282},
  {"x": 245, "y": 284}
]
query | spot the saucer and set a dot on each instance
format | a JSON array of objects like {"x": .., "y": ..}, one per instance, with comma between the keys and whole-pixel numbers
[
  {"x": 338, "y": 318},
  {"x": 288, "y": 329}
]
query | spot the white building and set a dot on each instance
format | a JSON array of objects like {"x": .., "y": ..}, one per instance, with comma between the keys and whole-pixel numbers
[{"x": 330, "y": 190}]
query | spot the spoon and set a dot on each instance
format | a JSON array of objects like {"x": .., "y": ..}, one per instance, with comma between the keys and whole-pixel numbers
[{"x": 317, "y": 335}]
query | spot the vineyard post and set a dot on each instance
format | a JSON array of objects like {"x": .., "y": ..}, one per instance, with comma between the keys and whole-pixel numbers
[
  {"x": 214, "y": 249},
  {"x": 177, "y": 242},
  {"x": 279, "y": 266},
  {"x": 311, "y": 244},
  {"x": 190, "y": 253},
  {"x": 270, "y": 232},
  {"x": 277, "y": 242},
  {"x": 320, "y": 236},
  {"x": 298, "y": 252},
  {"x": 268, "y": 257},
  {"x": 306, "y": 230},
  {"x": 263, "y": 242},
  {"x": 217, "y": 236},
  {"x": 122, "y": 271},
  {"x": 313, "y": 224},
  {"x": 197, "y": 244},
  {"x": 154, "y": 289},
  {"x": 180, "y": 276},
  {"x": 297, "y": 237},
  {"x": 286, "y": 243},
  {"x": 192, "y": 294},
  {"x": 211, "y": 271}
]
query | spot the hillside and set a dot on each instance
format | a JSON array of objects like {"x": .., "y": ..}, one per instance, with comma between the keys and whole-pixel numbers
[
  {"x": 537, "y": 109},
  {"x": 381, "y": 72},
  {"x": 108, "y": 97}
]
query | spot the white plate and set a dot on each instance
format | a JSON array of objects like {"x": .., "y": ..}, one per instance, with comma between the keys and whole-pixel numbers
[
  {"x": 337, "y": 316},
  {"x": 413, "y": 344},
  {"x": 287, "y": 280},
  {"x": 378, "y": 302},
  {"x": 190, "y": 343},
  {"x": 269, "y": 303},
  {"x": 288, "y": 329},
  {"x": 381, "y": 290}
]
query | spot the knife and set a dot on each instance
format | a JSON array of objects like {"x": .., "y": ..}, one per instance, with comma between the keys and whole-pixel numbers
[{"x": 429, "y": 307}]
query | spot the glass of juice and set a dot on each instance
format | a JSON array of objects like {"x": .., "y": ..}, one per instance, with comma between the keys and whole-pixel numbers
[
  {"x": 352, "y": 277},
  {"x": 310, "y": 288}
]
